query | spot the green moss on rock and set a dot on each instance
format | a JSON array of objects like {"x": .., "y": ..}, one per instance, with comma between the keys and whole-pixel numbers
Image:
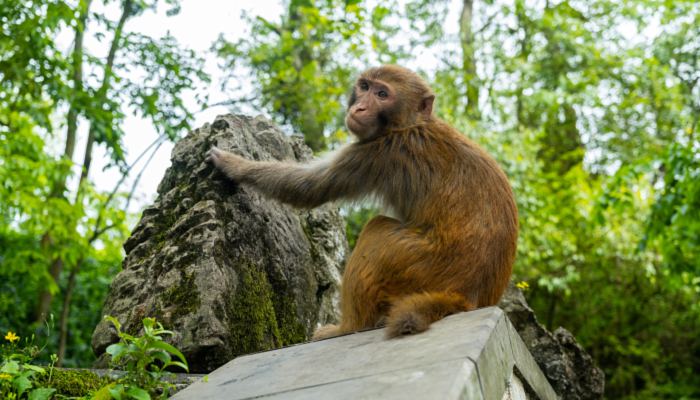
[
  {"x": 184, "y": 296},
  {"x": 253, "y": 321},
  {"x": 262, "y": 319},
  {"x": 73, "y": 382},
  {"x": 291, "y": 329}
]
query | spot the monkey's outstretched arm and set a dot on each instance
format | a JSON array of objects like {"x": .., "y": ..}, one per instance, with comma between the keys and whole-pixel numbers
[{"x": 296, "y": 184}]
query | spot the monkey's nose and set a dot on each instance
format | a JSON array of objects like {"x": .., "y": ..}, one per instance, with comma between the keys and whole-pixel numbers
[{"x": 359, "y": 109}]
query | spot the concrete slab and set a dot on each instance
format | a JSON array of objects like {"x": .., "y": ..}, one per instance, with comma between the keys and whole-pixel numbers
[{"x": 464, "y": 356}]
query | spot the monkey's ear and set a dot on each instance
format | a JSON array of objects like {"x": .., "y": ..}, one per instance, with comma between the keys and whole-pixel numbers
[{"x": 426, "y": 107}]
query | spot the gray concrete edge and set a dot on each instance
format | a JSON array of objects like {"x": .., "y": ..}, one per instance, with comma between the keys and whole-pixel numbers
[{"x": 505, "y": 354}]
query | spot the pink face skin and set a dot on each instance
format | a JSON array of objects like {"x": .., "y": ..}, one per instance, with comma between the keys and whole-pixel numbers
[{"x": 369, "y": 99}]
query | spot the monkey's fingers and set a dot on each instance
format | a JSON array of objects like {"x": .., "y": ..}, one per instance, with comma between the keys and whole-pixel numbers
[{"x": 214, "y": 155}]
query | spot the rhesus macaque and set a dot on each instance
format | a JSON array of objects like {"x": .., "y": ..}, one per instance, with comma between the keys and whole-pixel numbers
[{"x": 451, "y": 243}]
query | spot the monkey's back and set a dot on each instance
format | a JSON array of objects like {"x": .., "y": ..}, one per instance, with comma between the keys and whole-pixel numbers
[
  {"x": 485, "y": 214},
  {"x": 467, "y": 209}
]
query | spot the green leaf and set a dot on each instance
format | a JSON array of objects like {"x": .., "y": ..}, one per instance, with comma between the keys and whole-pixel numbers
[
  {"x": 179, "y": 364},
  {"x": 41, "y": 394},
  {"x": 116, "y": 350},
  {"x": 115, "y": 322},
  {"x": 116, "y": 391},
  {"x": 170, "y": 349},
  {"x": 10, "y": 367},
  {"x": 137, "y": 393},
  {"x": 22, "y": 383},
  {"x": 34, "y": 368}
]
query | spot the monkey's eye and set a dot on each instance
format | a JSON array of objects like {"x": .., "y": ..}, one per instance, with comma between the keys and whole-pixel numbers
[
  {"x": 364, "y": 85},
  {"x": 383, "y": 94}
]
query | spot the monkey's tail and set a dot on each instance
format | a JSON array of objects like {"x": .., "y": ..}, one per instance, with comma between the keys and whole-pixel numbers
[{"x": 414, "y": 313}]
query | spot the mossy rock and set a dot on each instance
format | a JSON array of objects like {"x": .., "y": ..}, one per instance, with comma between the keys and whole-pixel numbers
[
  {"x": 226, "y": 269},
  {"x": 262, "y": 320},
  {"x": 73, "y": 382}
]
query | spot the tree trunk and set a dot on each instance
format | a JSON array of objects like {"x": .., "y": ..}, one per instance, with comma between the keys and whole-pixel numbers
[
  {"x": 524, "y": 52},
  {"x": 471, "y": 79},
  {"x": 127, "y": 11},
  {"x": 65, "y": 313},
  {"x": 551, "y": 309},
  {"x": 45, "y": 296},
  {"x": 97, "y": 232}
]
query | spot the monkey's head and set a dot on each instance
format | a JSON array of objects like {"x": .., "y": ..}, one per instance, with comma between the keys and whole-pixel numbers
[{"x": 385, "y": 98}]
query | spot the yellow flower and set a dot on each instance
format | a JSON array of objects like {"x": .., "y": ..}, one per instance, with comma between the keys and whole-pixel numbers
[
  {"x": 11, "y": 337},
  {"x": 522, "y": 285},
  {"x": 5, "y": 376}
]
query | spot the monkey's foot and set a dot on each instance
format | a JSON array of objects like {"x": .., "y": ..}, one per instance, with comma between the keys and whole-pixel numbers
[
  {"x": 326, "y": 332},
  {"x": 406, "y": 324}
]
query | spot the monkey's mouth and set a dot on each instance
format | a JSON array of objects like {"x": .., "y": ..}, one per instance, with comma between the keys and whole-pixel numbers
[
  {"x": 356, "y": 120},
  {"x": 354, "y": 125},
  {"x": 368, "y": 123}
]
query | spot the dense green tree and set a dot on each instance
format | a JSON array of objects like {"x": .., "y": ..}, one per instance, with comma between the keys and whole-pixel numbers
[
  {"x": 598, "y": 111},
  {"x": 61, "y": 237}
]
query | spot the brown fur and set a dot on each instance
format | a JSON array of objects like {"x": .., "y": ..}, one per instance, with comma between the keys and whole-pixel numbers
[{"x": 452, "y": 244}]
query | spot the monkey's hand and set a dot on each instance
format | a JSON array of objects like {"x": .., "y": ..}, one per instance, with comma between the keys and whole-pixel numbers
[
  {"x": 234, "y": 166},
  {"x": 289, "y": 182}
]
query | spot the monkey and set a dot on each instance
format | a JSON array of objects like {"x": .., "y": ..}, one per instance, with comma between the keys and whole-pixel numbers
[{"x": 450, "y": 243}]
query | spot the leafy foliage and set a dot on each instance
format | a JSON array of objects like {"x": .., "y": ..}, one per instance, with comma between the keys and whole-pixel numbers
[
  {"x": 60, "y": 239},
  {"x": 146, "y": 360},
  {"x": 18, "y": 377},
  {"x": 27, "y": 212},
  {"x": 675, "y": 220}
]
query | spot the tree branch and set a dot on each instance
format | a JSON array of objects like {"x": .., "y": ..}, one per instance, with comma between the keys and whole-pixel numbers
[
  {"x": 96, "y": 230},
  {"x": 59, "y": 186},
  {"x": 229, "y": 102},
  {"x": 127, "y": 10},
  {"x": 140, "y": 174},
  {"x": 72, "y": 119}
]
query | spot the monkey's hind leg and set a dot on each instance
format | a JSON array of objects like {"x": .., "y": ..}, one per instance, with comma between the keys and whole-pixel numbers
[{"x": 415, "y": 312}]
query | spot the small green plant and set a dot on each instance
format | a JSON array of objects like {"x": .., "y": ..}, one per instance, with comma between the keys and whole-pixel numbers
[
  {"x": 146, "y": 360},
  {"x": 17, "y": 375}
]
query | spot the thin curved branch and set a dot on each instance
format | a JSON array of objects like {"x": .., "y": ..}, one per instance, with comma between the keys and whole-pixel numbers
[
  {"x": 140, "y": 174},
  {"x": 96, "y": 230},
  {"x": 229, "y": 102}
]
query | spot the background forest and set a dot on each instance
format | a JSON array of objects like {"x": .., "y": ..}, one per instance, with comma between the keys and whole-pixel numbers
[{"x": 591, "y": 106}]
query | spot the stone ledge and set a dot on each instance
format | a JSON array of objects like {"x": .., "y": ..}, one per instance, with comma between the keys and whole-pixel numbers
[{"x": 475, "y": 355}]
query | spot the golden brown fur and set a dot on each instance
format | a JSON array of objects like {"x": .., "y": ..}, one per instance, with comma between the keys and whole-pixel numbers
[{"x": 452, "y": 244}]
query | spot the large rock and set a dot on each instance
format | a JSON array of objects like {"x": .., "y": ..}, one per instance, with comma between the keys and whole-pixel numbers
[
  {"x": 227, "y": 270},
  {"x": 569, "y": 369}
]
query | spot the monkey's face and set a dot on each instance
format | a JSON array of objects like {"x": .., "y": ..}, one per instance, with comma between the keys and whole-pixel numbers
[
  {"x": 385, "y": 98},
  {"x": 370, "y": 109}
]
